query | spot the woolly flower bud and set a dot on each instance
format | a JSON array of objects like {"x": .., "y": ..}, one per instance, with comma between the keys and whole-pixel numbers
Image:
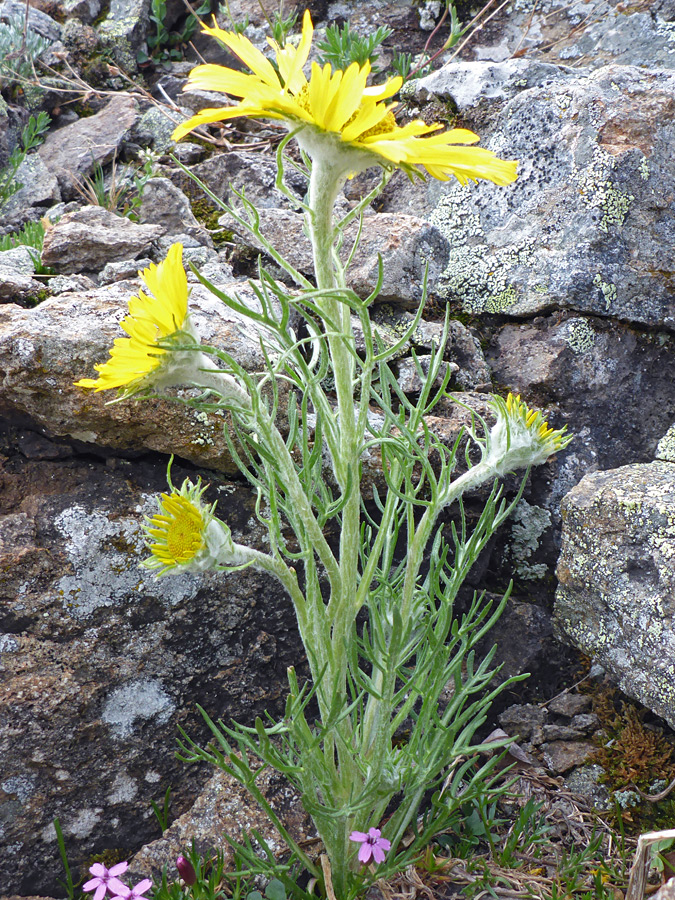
[{"x": 520, "y": 437}]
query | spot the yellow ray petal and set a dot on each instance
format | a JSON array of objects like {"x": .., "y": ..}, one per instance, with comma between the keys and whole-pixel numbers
[
  {"x": 291, "y": 61},
  {"x": 247, "y": 53}
]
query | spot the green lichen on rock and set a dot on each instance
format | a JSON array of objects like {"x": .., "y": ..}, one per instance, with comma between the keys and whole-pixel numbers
[
  {"x": 114, "y": 39},
  {"x": 599, "y": 192},
  {"x": 644, "y": 169},
  {"x": 155, "y": 123},
  {"x": 580, "y": 335},
  {"x": 476, "y": 275},
  {"x": 529, "y": 523},
  {"x": 607, "y": 288},
  {"x": 665, "y": 449}
]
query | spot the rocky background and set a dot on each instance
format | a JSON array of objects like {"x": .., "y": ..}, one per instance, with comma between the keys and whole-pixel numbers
[{"x": 561, "y": 288}]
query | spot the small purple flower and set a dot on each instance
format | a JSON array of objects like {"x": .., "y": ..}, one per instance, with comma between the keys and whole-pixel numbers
[
  {"x": 371, "y": 845},
  {"x": 106, "y": 880},
  {"x": 186, "y": 871},
  {"x": 134, "y": 893}
]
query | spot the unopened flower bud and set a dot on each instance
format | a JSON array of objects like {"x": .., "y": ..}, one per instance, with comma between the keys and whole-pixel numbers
[{"x": 186, "y": 870}]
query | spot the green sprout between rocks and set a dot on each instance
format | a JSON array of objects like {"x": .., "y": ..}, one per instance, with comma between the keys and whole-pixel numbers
[
  {"x": 381, "y": 743},
  {"x": 20, "y": 49},
  {"x": 32, "y": 135},
  {"x": 164, "y": 46},
  {"x": 121, "y": 190}
]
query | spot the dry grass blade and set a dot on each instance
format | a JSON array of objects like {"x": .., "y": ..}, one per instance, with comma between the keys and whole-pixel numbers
[{"x": 638, "y": 873}]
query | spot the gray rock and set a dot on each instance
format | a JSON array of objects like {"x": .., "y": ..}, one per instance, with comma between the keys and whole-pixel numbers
[
  {"x": 101, "y": 662},
  {"x": 405, "y": 243},
  {"x": 188, "y": 153},
  {"x": 225, "y": 808},
  {"x": 62, "y": 284},
  {"x": 155, "y": 128},
  {"x": 408, "y": 377},
  {"x": 124, "y": 30},
  {"x": 561, "y": 733},
  {"x": 523, "y": 636},
  {"x": 591, "y": 34},
  {"x": 617, "y": 578},
  {"x": 218, "y": 271},
  {"x": 586, "y": 781},
  {"x": 122, "y": 270},
  {"x": 193, "y": 251},
  {"x": 522, "y": 719},
  {"x": 569, "y": 705},
  {"x": 82, "y": 42},
  {"x": 613, "y": 383},
  {"x": 85, "y": 10},
  {"x": 470, "y": 83},
  {"x": 225, "y": 173},
  {"x": 44, "y": 351},
  {"x": 20, "y": 258},
  {"x": 72, "y": 152},
  {"x": 590, "y": 201},
  {"x": 38, "y": 21},
  {"x": 561, "y": 756},
  {"x": 87, "y": 239},
  {"x": 462, "y": 348},
  {"x": 39, "y": 187},
  {"x": 665, "y": 449},
  {"x": 165, "y": 204},
  {"x": 16, "y": 286},
  {"x": 586, "y": 722}
]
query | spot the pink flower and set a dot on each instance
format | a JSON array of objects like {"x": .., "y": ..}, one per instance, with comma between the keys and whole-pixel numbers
[
  {"x": 106, "y": 880},
  {"x": 134, "y": 893},
  {"x": 371, "y": 845},
  {"x": 186, "y": 870}
]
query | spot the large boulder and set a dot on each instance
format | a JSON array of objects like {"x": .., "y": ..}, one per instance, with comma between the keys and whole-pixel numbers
[
  {"x": 43, "y": 351},
  {"x": 588, "y": 224},
  {"x": 616, "y": 598},
  {"x": 100, "y": 662}
]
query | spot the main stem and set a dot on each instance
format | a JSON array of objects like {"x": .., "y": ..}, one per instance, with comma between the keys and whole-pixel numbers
[{"x": 325, "y": 182}]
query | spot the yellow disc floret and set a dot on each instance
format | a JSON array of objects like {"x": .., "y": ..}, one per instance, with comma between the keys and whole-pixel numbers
[
  {"x": 535, "y": 422},
  {"x": 177, "y": 533},
  {"x": 186, "y": 535}
]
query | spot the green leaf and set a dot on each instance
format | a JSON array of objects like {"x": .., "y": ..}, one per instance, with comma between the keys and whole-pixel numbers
[{"x": 275, "y": 890}]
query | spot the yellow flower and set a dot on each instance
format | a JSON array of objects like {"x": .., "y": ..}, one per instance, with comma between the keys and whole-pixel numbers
[
  {"x": 340, "y": 108},
  {"x": 521, "y": 436},
  {"x": 177, "y": 530},
  {"x": 535, "y": 423},
  {"x": 186, "y": 534},
  {"x": 138, "y": 358}
]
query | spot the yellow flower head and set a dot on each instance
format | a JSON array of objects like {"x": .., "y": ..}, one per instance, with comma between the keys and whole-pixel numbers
[
  {"x": 521, "y": 436},
  {"x": 184, "y": 533},
  {"x": 339, "y": 107},
  {"x": 177, "y": 530},
  {"x": 533, "y": 420},
  {"x": 138, "y": 358}
]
